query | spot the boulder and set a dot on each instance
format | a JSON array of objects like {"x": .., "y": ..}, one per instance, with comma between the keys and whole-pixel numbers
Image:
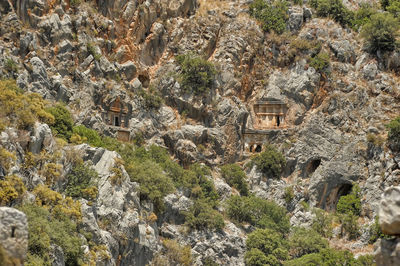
[
  {"x": 41, "y": 138},
  {"x": 296, "y": 15},
  {"x": 389, "y": 212},
  {"x": 14, "y": 233},
  {"x": 387, "y": 252}
]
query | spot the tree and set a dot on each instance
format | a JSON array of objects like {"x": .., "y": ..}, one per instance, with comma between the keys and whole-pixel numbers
[
  {"x": 270, "y": 162},
  {"x": 235, "y": 177},
  {"x": 380, "y": 32}
]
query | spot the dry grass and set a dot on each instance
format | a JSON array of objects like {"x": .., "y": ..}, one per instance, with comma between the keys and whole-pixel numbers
[{"x": 208, "y": 5}]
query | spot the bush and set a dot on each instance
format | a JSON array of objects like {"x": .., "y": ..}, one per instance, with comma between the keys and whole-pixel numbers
[
  {"x": 271, "y": 162},
  {"x": 45, "y": 229},
  {"x": 304, "y": 241},
  {"x": 177, "y": 254},
  {"x": 11, "y": 66},
  {"x": 394, "y": 8},
  {"x": 351, "y": 203},
  {"x": 375, "y": 231},
  {"x": 259, "y": 212},
  {"x": 363, "y": 15},
  {"x": 255, "y": 257},
  {"x": 349, "y": 225},
  {"x": 322, "y": 222},
  {"x": 196, "y": 75},
  {"x": 334, "y": 9},
  {"x": 235, "y": 177},
  {"x": 63, "y": 122},
  {"x": 324, "y": 257},
  {"x": 394, "y": 134},
  {"x": 79, "y": 179},
  {"x": 272, "y": 15},
  {"x": 92, "y": 49},
  {"x": 88, "y": 135},
  {"x": 154, "y": 184},
  {"x": 289, "y": 194},
  {"x": 270, "y": 243},
  {"x": 380, "y": 32},
  {"x": 203, "y": 216},
  {"x": 11, "y": 189},
  {"x": 19, "y": 109},
  {"x": 152, "y": 99},
  {"x": 320, "y": 62}
]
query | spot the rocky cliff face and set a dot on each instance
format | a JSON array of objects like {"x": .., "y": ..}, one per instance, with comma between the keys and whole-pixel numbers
[{"x": 89, "y": 53}]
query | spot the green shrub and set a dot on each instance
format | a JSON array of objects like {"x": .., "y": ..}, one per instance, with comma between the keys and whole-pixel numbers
[
  {"x": 63, "y": 122},
  {"x": 363, "y": 15},
  {"x": 209, "y": 261},
  {"x": 272, "y": 15},
  {"x": 154, "y": 184},
  {"x": 394, "y": 8},
  {"x": 21, "y": 109},
  {"x": 178, "y": 254},
  {"x": 349, "y": 225},
  {"x": 79, "y": 179},
  {"x": 350, "y": 203},
  {"x": 45, "y": 229},
  {"x": 394, "y": 134},
  {"x": 271, "y": 162},
  {"x": 11, "y": 66},
  {"x": 270, "y": 243},
  {"x": 259, "y": 212},
  {"x": 304, "y": 241},
  {"x": 203, "y": 216},
  {"x": 322, "y": 222},
  {"x": 196, "y": 74},
  {"x": 92, "y": 50},
  {"x": 320, "y": 62},
  {"x": 324, "y": 257},
  {"x": 255, "y": 257},
  {"x": 384, "y": 3},
  {"x": 88, "y": 135},
  {"x": 289, "y": 194},
  {"x": 375, "y": 231},
  {"x": 334, "y": 9},
  {"x": 11, "y": 189},
  {"x": 235, "y": 177},
  {"x": 151, "y": 98},
  {"x": 381, "y": 32}
]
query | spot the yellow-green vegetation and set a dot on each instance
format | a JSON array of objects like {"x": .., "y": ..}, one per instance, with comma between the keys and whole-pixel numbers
[
  {"x": 11, "y": 189},
  {"x": 349, "y": 209},
  {"x": 56, "y": 203},
  {"x": 45, "y": 228},
  {"x": 117, "y": 178},
  {"x": 289, "y": 194},
  {"x": 322, "y": 222},
  {"x": 320, "y": 62},
  {"x": 376, "y": 140},
  {"x": 394, "y": 134},
  {"x": 258, "y": 212},
  {"x": 152, "y": 98},
  {"x": 334, "y": 9},
  {"x": 271, "y": 162},
  {"x": 381, "y": 32},
  {"x": 80, "y": 179},
  {"x": 271, "y": 14},
  {"x": 52, "y": 172},
  {"x": 21, "y": 109},
  {"x": 11, "y": 66},
  {"x": 63, "y": 122},
  {"x": 178, "y": 254},
  {"x": 235, "y": 177},
  {"x": 6, "y": 158},
  {"x": 196, "y": 74},
  {"x": 6, "y": 259}
]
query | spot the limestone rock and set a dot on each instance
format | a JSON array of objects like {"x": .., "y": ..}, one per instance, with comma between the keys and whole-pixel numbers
[
  {"x": 14, "y": 232},
  {"x": 41, "y": 138},
  {"x": 389, "y": 213},
  {"x": 387, "y": 252}
]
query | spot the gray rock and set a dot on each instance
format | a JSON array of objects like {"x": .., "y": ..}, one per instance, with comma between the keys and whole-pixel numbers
[
  {"x": 343, "y": 51},
  {"x": 129, "y": 69},
  {"x": 370, "y": 71},
  {"x": 295, "y": 18},
  {"x": 387, "y": 252},
  {"x": 175, "y": 205},
  {"x": 41, "y": 138},
  {"x": 14, "y": 233},
  {"x": 389, "y": 213},
  {"x": 65, "y": 47},
  {"x": 57, "y": 256}
]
